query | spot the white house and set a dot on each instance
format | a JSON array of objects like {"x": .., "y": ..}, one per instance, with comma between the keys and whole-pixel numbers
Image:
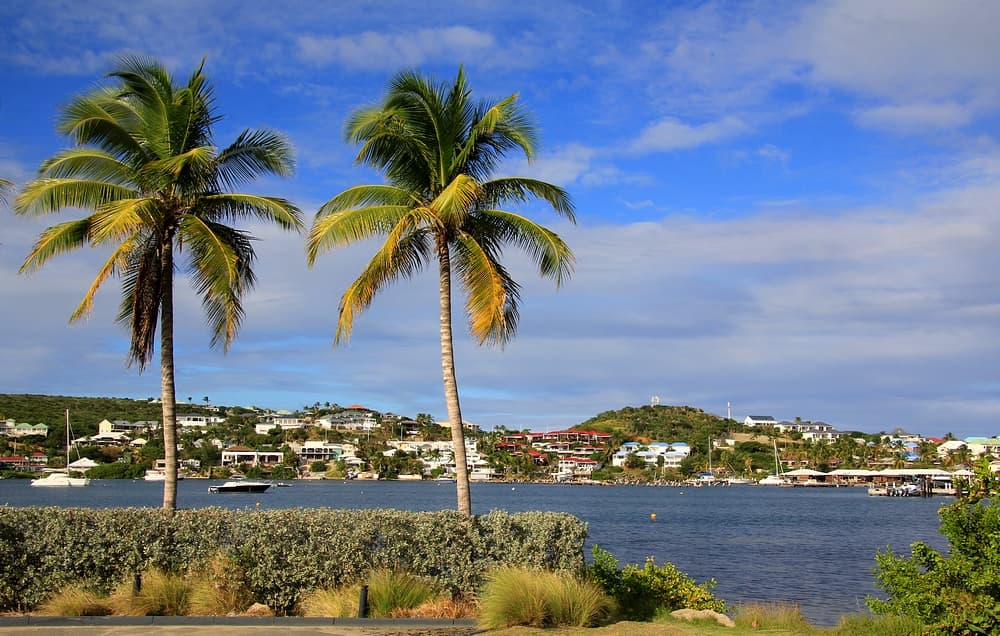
[
  {"x": 24, "y": 430},
  {"x": 759, "y": 420},
  {"x": 235, "y": 455},
  {"x": 353, "y": 418},
  {"x": 192, "y": 420}
]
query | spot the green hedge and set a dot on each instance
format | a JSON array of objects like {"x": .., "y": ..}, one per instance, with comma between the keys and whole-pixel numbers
[{"x": 284, "y": 553}]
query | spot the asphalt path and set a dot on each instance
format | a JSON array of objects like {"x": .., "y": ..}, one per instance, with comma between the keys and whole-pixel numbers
[{"x": 225, "y": 626}]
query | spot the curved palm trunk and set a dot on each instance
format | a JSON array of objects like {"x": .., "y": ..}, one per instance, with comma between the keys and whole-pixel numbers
[
  {"x": 168, "y": 392},
  {"x": 450, "y": 381}
]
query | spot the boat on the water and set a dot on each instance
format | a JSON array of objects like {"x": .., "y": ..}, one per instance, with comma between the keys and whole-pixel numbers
[
  {"x": 778, "y": 478},
  {"x": 241, "y": 486},
  {"x": 62, "y": 478}
]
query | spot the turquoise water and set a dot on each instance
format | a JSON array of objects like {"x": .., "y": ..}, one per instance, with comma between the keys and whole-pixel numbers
[{"x": 811, "y": 546}]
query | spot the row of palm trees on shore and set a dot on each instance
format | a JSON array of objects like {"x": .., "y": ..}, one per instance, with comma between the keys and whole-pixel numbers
[{"x": 145, "y": 167}]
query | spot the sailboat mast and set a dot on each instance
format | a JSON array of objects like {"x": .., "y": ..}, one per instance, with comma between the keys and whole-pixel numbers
[{"x": 67, "y": 441}]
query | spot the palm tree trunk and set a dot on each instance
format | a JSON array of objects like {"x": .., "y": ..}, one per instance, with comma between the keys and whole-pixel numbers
[
  {"x": 450, "y": 381},
  {"x": 168, "y": 392}
]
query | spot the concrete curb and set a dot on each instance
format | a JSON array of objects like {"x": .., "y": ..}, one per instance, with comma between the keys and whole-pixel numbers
[{"x": 233, "y": 621}]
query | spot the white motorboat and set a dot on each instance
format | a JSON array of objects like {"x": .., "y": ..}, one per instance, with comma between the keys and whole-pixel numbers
[
  {"x": 61, "y": 479},
  {"x": 240, "y": 486}
]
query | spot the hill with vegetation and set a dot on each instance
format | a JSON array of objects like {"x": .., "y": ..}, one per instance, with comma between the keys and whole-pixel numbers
[
  {"x": 661, "y": 423},
  {"x": 85, "y": 412}
]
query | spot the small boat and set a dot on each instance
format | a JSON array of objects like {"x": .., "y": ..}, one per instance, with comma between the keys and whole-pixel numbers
[
  {"x": 62, "y": 478},
  {"x": 241, "y": 486},
  {"x": 774, "y": 480},
  {"x": 778, "y": 478}
]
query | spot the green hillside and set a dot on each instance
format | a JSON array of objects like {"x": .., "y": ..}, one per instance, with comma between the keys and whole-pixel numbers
[
  {"x": 85, "y": 412},
  {"x": 662, "y": 423}
]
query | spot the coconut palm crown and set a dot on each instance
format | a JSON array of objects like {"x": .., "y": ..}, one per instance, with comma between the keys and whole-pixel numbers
[
  {"x": 145, "y": 166},
  {"x": 438, "y": 150}
]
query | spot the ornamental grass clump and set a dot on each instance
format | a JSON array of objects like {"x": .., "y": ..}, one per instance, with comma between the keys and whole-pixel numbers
[
  {"x": 218, "y": 588},
  {"x": 161, "y": 594},
  {"x": 518, "y": 596},
  {"x": 391, "y": 591},
  {"x": 340, "y": 602},
  {"x": 772, "y": 616},
  {"x": 75, "y": 600}
]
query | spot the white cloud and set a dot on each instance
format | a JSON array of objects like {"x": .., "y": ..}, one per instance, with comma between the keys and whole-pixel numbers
[
  {"x": 919, "y": 117},
  {"x": 770, "y": 152},
  {"x": 905, "y": 50},
  {"x": 374, "y": 50},
  {"x": 671, "y": 134}
]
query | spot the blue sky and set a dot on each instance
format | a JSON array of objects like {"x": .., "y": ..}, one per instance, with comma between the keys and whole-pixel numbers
[{"x": 790, "y": 207}]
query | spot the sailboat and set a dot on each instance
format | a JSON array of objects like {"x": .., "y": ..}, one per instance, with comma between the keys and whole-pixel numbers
[
  {"x": 777, "y": 479},
  {"x": 62, "y": 478}
]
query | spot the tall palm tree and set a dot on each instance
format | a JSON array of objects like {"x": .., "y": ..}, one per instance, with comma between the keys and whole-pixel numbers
[
  {"x": 440, "y": 204},
  {"x": 145, "y": 166}
]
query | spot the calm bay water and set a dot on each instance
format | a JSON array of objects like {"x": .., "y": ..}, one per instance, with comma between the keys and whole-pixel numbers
[{"x": 811, "y": 546}]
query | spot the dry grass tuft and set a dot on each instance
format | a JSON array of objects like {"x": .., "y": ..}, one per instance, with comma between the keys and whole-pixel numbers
[
  {"x": 74, "y": 600},
  {"x": 775, "y": 616}
]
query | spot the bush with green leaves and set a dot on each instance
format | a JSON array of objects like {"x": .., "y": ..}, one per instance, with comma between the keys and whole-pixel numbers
[
  {"x": 282, "y": 553},
  {"x": 643, "y": 593},
  {"x": 957, "y": 593}
]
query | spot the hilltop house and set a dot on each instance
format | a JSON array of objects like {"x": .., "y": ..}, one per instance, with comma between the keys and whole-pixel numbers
[
  {"x": 759, "y": 420},
  {"x": 192, "y": 420}
]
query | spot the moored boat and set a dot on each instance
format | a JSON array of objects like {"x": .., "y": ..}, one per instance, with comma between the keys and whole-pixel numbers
[
  {"x": 61, "y": 479},
  {"x": 240, "y": 486}
]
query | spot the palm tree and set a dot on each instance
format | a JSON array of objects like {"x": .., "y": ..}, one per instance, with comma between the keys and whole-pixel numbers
[
  {"x": 438, "y": 149},
  {"x": 145, "y": 166},
  {"x": 4, "y": 187}
]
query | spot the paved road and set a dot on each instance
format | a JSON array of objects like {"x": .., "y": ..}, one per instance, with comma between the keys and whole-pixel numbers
[{"x": 187, "y": 626}]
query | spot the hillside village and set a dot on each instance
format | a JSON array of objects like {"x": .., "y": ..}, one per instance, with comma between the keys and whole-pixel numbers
[{"x": 329, "y": 441}]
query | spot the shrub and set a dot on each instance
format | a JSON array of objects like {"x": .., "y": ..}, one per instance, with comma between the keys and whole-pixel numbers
[
  {"x": 520, "y": 596},
  {"x": 281, "y": 553},
  {"x": 74, "y": 600},
  {"x": 878, "y": 626},
  {"x": 642, "y": 593},
  {"x": 958, "y": 593}
]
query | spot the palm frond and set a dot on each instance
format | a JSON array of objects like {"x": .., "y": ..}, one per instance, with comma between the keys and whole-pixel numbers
[
  {"x": 544, "y": 247},
  {"x": 396, "y": 259},
  {"x": 43, "y": 196},
  {"x": 5, "y": 186},
  {"x": 522, "y": 189},
  {"x": 141, "y": 270},
  {"x": 116, "y": 262},
  {"x": 87, "y": 163},
  {"x": 222, "y": 267},
  {"x": 120, "y": 219},
  {"x": 233, "y": 206},
  {"x": 58, "y": 239},
  {"x": 338, "y": 229},
  {"x": 455, "y": 201},
  {"x": 175, "y": 168},
  {"x": 100, "y": 119},
  {"x": 255, "y": 153},
  {"x": 491, "y": 294}
]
